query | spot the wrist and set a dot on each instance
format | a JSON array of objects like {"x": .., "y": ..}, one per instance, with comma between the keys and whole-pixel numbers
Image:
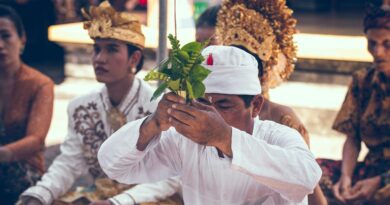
[
  {"x": 225, "y": 143},
  {"x": 147, "y": 131}
]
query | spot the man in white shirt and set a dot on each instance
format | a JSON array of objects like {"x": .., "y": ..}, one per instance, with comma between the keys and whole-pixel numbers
[{"x": 223, "y": 153}]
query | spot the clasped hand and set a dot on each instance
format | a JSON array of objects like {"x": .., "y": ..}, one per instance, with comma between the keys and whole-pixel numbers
[
  {"x": 199, "y": 122},
  {"x": 363, "y": 190}
]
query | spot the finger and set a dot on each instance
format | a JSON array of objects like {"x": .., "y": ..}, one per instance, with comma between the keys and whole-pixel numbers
[
  {"x": 172, "y": 97},
  {"x": 181, "y": 116},
  {"x": 358, "y": 186},
  {"x": 355, "y": 196},
  {"x": 201, "y": 106},
  {"x": 187, "y": 109},
  {"x": 336, "y": 192},
  {"x": 182, "y": 128}
]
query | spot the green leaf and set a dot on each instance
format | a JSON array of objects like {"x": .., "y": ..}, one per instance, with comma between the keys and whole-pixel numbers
[
  {"x": 198, "y": 88},
  {"x": 174, "y": 42},
  {"x": 189, "y": 89},
  {"x": 199, "y": 73},
  {"x": 174, "y": 85},
  {"x": 159, "y": 91},
  {"x": 192, "y": 47},
  {"x": 183, "y": 56}
]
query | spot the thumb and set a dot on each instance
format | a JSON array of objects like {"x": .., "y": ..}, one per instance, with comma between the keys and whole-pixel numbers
[
  {"x": 356, "y": 188},
  {"x": 201, "y": 106}
]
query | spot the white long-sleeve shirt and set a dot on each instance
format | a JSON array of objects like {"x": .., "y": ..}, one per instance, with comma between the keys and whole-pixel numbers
[
  {"x": 272, "y": 166},
  {"x": 88, "y": 128}
]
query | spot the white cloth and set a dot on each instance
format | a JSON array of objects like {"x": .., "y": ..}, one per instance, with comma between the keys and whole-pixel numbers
[
  {"x": 88, "y": 127},
  {"x": 233, "y": 71},
  {"x": 273, "y": 166}
]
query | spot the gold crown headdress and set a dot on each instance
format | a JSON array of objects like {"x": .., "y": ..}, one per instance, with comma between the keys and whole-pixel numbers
[
  {"x": 105, "y": 22},
  {"x": 266, "y": 29}
]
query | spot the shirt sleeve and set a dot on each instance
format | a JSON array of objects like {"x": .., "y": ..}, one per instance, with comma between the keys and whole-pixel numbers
[
  {"x": 121, "y": 160},
  {"x": 38, "y": 125},
  {"x": 347, "y": 119},
  {"x": 64, "y": 170},
  {"x": 148, "y": 192},
  {"x": 283, "y": 162}
]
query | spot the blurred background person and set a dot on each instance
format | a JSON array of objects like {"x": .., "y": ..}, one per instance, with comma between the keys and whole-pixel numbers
[
  {"x": 364, "y": 117},
  {"x": 205, "y": 25},
  {"x": 39, "y": 52},
  {"x": 26, "y": 107},
  {"x": 93, "y": 117}
]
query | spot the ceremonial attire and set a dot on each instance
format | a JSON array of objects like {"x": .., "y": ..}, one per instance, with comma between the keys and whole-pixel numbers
[
  {"x": 271, "y": 166},
  {"x": 88, "y": 128}
]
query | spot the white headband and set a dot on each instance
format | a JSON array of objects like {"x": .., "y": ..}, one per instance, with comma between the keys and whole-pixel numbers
[{"x": 234, "y": 71}]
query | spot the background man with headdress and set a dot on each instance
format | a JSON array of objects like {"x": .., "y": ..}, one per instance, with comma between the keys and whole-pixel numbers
[
  {"x": 223, "y": 153},
  {"x": 118, "y": 45}
]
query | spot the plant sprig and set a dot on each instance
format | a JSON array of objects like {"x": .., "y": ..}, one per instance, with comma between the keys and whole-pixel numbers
[{"x": 181, "y": 71}]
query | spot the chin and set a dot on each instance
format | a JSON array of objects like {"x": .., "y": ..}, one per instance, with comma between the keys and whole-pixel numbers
[
  {"x": 385, "y": 68},
  {"x": 101, "y": 79}
]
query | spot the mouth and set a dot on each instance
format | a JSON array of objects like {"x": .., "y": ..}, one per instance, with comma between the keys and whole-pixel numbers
[{"x": 100, "y": 70}]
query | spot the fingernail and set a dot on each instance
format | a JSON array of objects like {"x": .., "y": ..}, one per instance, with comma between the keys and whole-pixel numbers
[
  {"x": 169, "y": 110},
  {"x": 170, "y": 119},
  {"x": 174, "y": 105}
]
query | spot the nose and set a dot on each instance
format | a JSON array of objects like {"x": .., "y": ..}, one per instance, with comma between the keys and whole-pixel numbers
[
  {"x": 100, "y": 58},
  {"x": 378, "y": 51}
]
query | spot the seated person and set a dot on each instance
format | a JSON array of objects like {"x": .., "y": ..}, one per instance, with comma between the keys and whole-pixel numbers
[
  {"x": 117, "y": 57},
  {"x": 26, "y": 105},
  {"x": 364, "y": 117},
  {"x": 223, "y": 153}
]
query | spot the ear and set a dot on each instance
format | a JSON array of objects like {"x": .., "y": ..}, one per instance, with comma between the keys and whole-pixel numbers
[
  {"x": 257, "y": 105},
  {"x": 134, "y": 59},
  {"x": 23, "y": 40}
]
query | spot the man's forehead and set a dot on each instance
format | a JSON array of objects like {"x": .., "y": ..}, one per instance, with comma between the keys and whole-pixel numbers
[
  {"x": 108, "y": 42},
  {"x": 217, "y": 96}
]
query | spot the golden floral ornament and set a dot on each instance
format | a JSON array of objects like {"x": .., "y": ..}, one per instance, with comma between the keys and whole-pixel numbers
[
  {"x": 245, "y": 27},
  {"x": 266, "y": 29},
  {"x": 105, "y": 22}
]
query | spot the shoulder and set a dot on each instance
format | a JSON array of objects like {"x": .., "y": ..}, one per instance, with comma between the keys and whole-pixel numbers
[
  {"x": 278, "y": 134},
  {"x": 90, "y": 99},
  {"x": 282, "y": 111},
  {"x": 361, "y": 76},
  {"x": 146, "y": 93},
  {"x": 34, "y": 76}
]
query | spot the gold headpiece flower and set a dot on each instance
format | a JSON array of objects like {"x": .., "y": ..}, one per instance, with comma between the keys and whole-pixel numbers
[
  {"x": 266, "y": 29},
  {"x": 105, "y": 22}
]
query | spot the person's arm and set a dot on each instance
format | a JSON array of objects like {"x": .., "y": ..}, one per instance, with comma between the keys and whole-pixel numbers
[
  {"x": 142, "y": 151},
  {"x": 283, "y": 163},
  {"x": 62, "y": 173},
  {"x": 351, "y": 150},
  {"x": 148, "y": 192},
  {"x": 122, "y": 160},
  {"x": 39, "y": 120}
]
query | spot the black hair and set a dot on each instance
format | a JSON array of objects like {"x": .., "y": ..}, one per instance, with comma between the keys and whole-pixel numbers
[
  {"x": 259, "y": 61},
  {"x": 247, "y": 99},
  {"x": 208, "y": 17},
  {"x": 12, "y": 15},
  {"x": 130, "y": 50}
]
